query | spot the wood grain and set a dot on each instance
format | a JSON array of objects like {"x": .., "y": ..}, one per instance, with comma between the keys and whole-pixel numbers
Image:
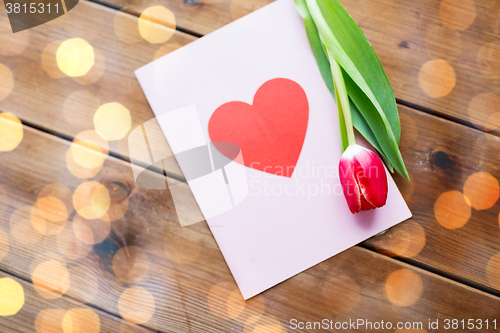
[
  {"x": 49, "y": 102},
  {"x": 457, "y": 42},
  {"x": 185, "y": 284},
  {"x": 186, "y": 275},
  {"x": 41, "y": 315},
  {"x": 441, "y": 156}
]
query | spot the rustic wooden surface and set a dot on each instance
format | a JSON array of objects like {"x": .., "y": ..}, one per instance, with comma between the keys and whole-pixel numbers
[
  {"x": 54, "y": 112},
  {"x": 39, "y": 314},
  {"x": 183, "y": 269},
  {"x": 459, "y": 36},
  {"x": 443, "y": 263}
]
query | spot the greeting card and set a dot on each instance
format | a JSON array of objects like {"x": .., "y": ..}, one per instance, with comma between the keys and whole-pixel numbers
[{"x": 250, "y": 98}]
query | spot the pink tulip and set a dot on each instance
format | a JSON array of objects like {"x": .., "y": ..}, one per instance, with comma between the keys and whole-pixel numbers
[{"x": 363, "y": 179}]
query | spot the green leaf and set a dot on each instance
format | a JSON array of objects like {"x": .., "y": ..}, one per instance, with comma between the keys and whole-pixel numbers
[
  {"x": 376, "y": 123},
  {"x": 344, "y": 141},
  {"x": 386, "y": 123},
  {"x": 347, "y": 43},
  {"x": 323, "y": 64},
  {"x": 362, "y": 126},
  {"x": 316, "y": 44}
]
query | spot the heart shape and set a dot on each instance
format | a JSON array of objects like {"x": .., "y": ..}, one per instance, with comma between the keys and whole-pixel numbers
[{"x": 271, "y": 131}]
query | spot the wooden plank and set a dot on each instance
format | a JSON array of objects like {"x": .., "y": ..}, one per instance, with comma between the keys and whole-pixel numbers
[
  {"x": 141, "y": 282},
  {"x": 38, "y": 314},
  {"x": 151, "y": 271},
  {"x": 446, "y": 234},
  {"x": 44, "y": 96},
  {"x": 66, "y": 106},
  {"x": 440, "y": 55}
]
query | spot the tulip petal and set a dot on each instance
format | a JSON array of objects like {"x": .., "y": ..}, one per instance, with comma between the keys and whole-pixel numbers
[
  {"x": 371, "y": 177},
  {"x": 365, "y": 205},
  {"x": 350, "y": 187}
]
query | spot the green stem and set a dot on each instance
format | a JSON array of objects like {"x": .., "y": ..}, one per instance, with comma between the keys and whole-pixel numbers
[{"x": 341, "y": 90}]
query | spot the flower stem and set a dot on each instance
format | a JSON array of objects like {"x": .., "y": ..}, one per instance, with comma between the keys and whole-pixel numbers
[{"x": 338, "y": 80}]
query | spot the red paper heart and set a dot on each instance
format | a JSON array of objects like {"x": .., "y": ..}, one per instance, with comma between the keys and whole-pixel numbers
[{"x": 271, "y": 131}]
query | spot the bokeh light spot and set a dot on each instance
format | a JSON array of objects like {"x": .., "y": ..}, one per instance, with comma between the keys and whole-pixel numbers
[
  {"x": 60, "y": 192},
  {"x": 75, "y": 57},
  {"x": 437, "y": 78},
  {"x": 119, "y": 201},
  {"x": 11, "y": 297},
  {"x": 6, "y": 83},
  {"x": 488, "y": 60},
  {"x": 484, "y": 111},
  {"x": 457, "y": 15},
  {"x": 223, "y": 302},
  {"x": 50, "y": 321},
  {"x": 341, "y": 294},
  {"x": 49, "y": 61},
  {"x": 91, "y": 200},
  {"x": 130, "y": 264},
  {"x": 452, "y": 209},
  {"x": 403, "y": 287},
  {"x": 81, "y": 321},
  {"x": 91, "y": 231},
  {"x": 482, "y": 190},
  {"x": 125, "y": 25},
  {"x": 136, "y": 305},
  {"x": 11, "y": 129},
  {"x": 95, "y": 72},
  {"x": 156, "y": 24},
  {"x": 77, "y": 170},
  {"x": 404, "y": 240},
  {"x": 52, "y": 208},
  {"x": 87, "y": 154},
  {"x": 112, "y": 121},
  {"x": 45, "y": 226},
  {"x": 70, "y": 246},
  {"x": 51, "y": 279},
  {"x": 78, "y": 106}
]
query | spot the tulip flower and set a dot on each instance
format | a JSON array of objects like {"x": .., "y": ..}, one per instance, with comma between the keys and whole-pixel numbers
[
  {"x": 363, "y": 179},
  {"x": 365, "y": 100},
  {"x": 362, "y": 173}
]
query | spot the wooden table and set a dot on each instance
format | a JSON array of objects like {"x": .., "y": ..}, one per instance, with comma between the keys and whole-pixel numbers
[{"x": 136, "y": 270}]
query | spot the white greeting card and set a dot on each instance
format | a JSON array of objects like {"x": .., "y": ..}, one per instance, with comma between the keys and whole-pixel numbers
[{"x": 276, "y": 206}]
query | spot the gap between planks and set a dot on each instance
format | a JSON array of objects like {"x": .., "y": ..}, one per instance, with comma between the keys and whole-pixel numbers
[
  {"x": 408, "y": 261},
  {"x": 399, "y": 101},
  {"x": 117, "y": 8},
  {"x": 465, "y": 283},
  {"x": 90, "y": 305}
]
